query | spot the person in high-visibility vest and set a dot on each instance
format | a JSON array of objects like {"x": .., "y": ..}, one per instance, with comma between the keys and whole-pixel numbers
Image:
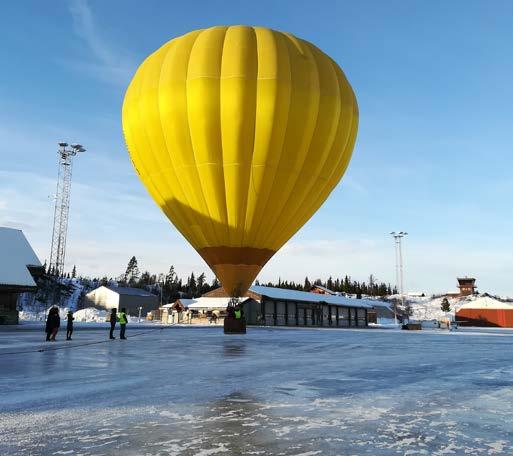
[
  {"x": 238, "y": 313},
  {"x": 123, "y": 320}
]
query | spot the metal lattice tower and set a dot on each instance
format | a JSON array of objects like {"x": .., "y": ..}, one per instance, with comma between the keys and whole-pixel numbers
[
  {"x": 399, "y": 267},
  {"x": 61, "y": 212}
]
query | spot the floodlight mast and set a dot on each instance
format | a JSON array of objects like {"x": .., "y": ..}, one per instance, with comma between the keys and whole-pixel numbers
[
  {"x": 399, "y": 268},
  {"x": 61, "y": 211}
]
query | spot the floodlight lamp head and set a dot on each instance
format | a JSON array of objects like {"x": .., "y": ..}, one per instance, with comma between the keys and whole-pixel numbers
[
  {"x": 81, "y": 149},
  {"x": 63, "y": 144}
]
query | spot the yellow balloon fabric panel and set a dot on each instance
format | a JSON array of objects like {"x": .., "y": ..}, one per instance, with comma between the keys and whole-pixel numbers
[{"x": 239, "y": 134}]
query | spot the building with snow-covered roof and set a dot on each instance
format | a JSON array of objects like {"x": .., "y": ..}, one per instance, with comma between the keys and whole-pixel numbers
[
  {"x": 19, "y": 270},
  {"x": 485, "y": 311},
  {"x": 199, "y": 310},
  {"x": 132, "y": 299},
  {"x": 381, "y": 313},
  {"x": 319, "y": 289},
  {"x": 208, "y": 303},
  {"x": 282, "y": 307}
]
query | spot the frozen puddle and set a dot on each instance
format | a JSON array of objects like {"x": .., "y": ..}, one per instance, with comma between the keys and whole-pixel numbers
[{"x": 185, "y": 391}]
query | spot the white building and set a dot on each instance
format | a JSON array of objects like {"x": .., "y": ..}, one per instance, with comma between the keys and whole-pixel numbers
[
  {"x": 132, "y": 299},
  {"x": 19, "y": 269}
]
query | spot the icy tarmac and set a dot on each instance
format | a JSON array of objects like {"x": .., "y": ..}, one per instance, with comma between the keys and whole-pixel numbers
[{"x": 195, "y": 391}]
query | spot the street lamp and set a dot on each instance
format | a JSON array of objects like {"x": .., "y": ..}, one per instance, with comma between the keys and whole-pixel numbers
[
  {"x": 399, "y": 267},
  {"x": 140, "y": 310}
]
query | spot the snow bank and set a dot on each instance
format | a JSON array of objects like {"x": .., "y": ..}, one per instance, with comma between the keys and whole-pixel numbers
[
  {"x": 91, "y": 314},
  {"x": 30, "y": 315},
  {"x": 430, "y": 308}
]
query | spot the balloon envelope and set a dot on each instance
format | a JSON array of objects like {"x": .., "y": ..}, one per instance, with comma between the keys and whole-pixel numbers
[{"x": 239, "y": 134}]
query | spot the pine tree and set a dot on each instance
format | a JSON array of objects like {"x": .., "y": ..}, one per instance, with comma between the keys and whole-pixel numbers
[
  {"x": 132, "y": 271},
  {"x": 347, "y": 284},
  {"x": 145, "y": 278},
  {"x": 446, "y": 307},
  {"x": 372, "y": 282},
  {"x": 192, "y": 287},
  {"x": 201, "y": 283},
  {"x": 171, "y": 276},
  {"x": 74, "y": 272}
]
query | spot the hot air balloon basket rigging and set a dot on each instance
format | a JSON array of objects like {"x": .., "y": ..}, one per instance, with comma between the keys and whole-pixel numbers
[{"x": 234, "y": 322}]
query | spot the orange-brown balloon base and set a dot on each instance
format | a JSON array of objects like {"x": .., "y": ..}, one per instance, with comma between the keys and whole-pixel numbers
[{"x": 236, "y": 267}]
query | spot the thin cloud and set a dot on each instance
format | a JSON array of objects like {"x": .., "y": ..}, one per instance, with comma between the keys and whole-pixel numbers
[{"x": 106, "y": 63}]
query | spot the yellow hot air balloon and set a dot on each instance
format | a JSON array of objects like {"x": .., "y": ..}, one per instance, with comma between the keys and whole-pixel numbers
[{"x": 239, "y": 134}]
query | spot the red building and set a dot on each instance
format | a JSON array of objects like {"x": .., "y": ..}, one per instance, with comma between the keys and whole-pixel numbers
[{"x": 486, "y": 311}]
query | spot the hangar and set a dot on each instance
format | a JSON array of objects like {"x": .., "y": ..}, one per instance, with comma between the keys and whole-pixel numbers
[
  {"x": 271, "y": 306},
  {"x": 485, "y": 311}
]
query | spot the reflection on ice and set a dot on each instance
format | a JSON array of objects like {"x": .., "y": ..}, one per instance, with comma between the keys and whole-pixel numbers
[{"x": 234, "y": 348}]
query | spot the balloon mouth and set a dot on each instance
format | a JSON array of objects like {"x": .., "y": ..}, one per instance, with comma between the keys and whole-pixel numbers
[{"x": 236, "y": 267}]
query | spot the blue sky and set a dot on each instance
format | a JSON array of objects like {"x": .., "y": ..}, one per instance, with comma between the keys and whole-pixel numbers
[{"x": 433, "y": 155}]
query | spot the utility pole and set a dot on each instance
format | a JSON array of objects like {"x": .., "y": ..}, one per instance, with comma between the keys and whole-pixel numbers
[
  {"x": 61, "y": 211},
  {"x": 399, "y": 267}
]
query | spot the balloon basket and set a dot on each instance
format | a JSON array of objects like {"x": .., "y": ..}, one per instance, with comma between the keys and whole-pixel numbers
[{"x": 235, "y": 326}]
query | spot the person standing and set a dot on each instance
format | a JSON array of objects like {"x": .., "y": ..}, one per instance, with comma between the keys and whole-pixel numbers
[
  {"x": 69, "y": 326},
  {"x": 113, "y": 319},
  {"x": 53, "y": 322},
  {"x": 123, "y": 320}
]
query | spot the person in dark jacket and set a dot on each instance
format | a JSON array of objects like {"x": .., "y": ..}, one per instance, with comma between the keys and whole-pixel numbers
[
  {"x": 53, "y": 322},
  {"x": 123, "y": 320},
  {"x": 113, "y": 320},
  {"x": 69, "y": 327}
]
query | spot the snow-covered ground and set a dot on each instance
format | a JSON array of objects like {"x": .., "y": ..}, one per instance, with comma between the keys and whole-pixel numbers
[
  {"x": 430, "y": 308},
  {"x": 195, "y": 391},
  {"x": 89, "y": 314}
]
